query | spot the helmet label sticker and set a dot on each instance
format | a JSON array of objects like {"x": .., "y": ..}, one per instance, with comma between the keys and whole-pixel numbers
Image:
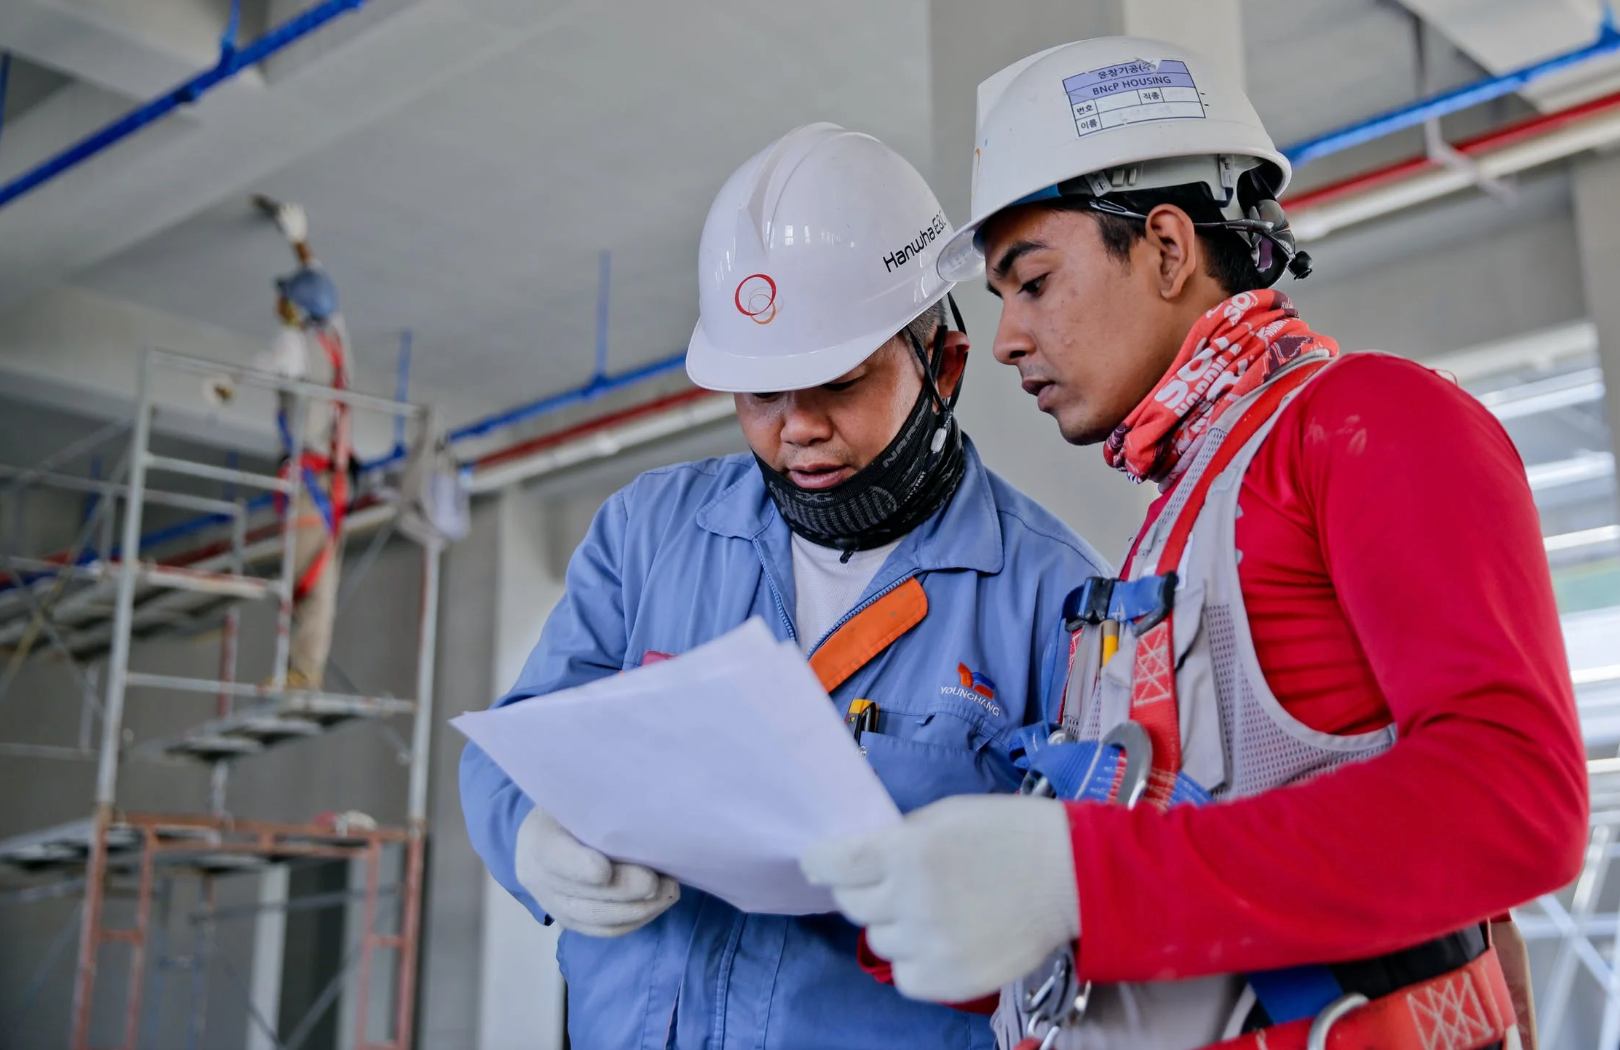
[{"x": 1130, "y": 93}]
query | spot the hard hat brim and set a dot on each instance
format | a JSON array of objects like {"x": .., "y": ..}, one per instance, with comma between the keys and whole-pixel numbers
[
  {"x": 712, "y": 368},
  {"x": 960, "y": 259}
]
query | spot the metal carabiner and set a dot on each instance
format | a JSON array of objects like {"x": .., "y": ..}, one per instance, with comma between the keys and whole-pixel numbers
[
  {"x": 1331, "y": 1014},
  {"x": 1036, "y": 784},
  {"x": 1062, "y": 967},
  {"x": 1132, "y": 738},
  {"x": 1033, "y": 1001}
]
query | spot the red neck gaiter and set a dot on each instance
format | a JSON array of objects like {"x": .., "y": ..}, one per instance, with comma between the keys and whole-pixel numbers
[{"x": 1233, "y": 349}]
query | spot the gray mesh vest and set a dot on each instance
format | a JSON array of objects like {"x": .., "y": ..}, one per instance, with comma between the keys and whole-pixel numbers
[{"x": 1236, "y": 741}]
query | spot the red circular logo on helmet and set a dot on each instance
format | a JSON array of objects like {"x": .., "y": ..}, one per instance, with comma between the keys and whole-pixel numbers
[{"x": 756, "y": 298}]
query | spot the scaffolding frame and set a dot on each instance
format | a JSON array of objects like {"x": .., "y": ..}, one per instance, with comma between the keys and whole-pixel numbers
[
  {"x": 1587, "y": 935},
  {"x": 56, "y": 599}
]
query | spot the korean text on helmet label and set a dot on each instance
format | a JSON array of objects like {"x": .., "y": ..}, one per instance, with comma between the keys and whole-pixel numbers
[{"x": 1132, "y": 92}]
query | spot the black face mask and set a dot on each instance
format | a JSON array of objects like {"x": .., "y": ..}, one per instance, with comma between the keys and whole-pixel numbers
[{"x": 915, "y": 475}]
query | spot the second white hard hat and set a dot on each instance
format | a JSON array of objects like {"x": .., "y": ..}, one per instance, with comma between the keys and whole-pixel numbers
[
  {"x": 816, "y": 252},
  {"x": 1126, "y": 113}
]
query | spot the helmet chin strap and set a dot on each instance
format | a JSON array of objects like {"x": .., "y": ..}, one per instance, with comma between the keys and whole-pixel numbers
[
  {"x": 931, "y": 373},
  {"x": 909, "y": 481}
]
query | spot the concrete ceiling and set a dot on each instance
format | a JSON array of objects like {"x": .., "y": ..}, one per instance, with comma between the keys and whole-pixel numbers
[
  {"x": 464, "y": 164},
  {"x": 474, "y": 214}
]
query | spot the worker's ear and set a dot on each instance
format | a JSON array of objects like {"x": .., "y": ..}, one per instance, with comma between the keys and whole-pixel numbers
[
  {"x": 954, "y": 364},
  {"x": 1172, "y": 239}
]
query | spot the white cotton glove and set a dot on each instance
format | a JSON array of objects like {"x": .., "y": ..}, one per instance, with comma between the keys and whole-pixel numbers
[
  {"x": 293, "y": 222},
  {"x": 964, "y": 896},
  {"x": 582, "y": 889}
]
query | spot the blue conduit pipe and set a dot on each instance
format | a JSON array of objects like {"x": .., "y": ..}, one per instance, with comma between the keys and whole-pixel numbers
[
  {"x": 402, "y": 387},
  {"x": 590, "y": 391},
  {"x": 227, "y": 40},
  {"x": 231, "y": 62},
  {"x": 1435, "y": 106}
]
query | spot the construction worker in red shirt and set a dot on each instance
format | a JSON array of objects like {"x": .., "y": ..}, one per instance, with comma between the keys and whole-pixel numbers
[{"x": 1320, "y": 730}]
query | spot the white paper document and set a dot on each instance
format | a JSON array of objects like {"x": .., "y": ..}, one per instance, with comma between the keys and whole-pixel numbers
[{"x": 718, "y": 767}]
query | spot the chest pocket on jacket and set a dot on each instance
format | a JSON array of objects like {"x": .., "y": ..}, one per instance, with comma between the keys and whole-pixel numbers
[{"x": 946, "y": 749}]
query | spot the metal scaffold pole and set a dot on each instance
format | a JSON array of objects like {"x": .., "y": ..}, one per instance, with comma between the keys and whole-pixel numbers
[{"x": 247, "y": 551}]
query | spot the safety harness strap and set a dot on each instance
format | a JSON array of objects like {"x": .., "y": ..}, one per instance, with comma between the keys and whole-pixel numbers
[
  {"x": 1466, "y": 1009},
  {"x": 868, "y": 633},
  {"x": 311, "y": 464},
  {"x": 1154, "y": 703}
]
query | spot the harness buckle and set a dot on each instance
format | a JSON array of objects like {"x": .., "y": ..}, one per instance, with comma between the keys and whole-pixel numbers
[
  {"x": 1035, "y": 783},
  {"x": 1142, "y": 602},
  {"x": 1155, "y": 600},
  {"x": 1334, "y": 1012},
  {"x": 1088, "y": 603}
]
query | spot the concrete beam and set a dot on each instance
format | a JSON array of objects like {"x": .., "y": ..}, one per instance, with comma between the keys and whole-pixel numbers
[
  {"x": 1502, "y": 35},
  {"x": 134, "y": 50}
]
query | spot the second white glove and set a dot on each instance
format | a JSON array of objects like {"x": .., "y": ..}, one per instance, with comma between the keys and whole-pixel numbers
[
  {"x": 966, "y": 895},
  {"x": 581, "y": 888}
]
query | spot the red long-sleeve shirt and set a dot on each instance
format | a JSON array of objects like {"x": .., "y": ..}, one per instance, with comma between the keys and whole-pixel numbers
[{"x": 1393, "y": 570}]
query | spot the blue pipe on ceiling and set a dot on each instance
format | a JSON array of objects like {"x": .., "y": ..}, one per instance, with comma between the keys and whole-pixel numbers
[
  {"x": 597, "y": 386},
  {"x": 1424, "y": 110},
  {"x": 231, "y": 62}
]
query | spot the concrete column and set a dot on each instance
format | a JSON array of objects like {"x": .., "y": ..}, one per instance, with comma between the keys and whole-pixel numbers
[
  {"x": 1597, "y": 225},
  {"x": 968, "y": 42},
  {"x": 521, "y": 998},
  {"x": 453, "y": 924},
  {"x": 269, "y": 936}
]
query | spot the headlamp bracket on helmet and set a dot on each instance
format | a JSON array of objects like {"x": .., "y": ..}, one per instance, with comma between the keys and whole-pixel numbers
[{"x": 1247, "y": 203}]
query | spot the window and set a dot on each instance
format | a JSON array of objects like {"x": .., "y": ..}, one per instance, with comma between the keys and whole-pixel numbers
[{"x": 1547, "y": 389}]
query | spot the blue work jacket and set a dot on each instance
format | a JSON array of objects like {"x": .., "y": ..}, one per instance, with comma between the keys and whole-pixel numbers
[{"x": 684, "y": 554}]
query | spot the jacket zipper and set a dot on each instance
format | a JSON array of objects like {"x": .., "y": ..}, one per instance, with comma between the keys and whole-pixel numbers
[
  {"x": 859, "y": 609},
  {"x": 776, "y": 595}
]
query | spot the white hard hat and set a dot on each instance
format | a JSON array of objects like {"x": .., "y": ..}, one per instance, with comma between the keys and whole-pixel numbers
[
  {"x": 1127, "y": 112},
  {"x": 817, "y": 251}
]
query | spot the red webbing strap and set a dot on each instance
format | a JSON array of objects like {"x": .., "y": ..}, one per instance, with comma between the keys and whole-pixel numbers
[
  {"x": 1465, "y": 1009},
  {"x": 338, "y": 484},
  {"x": 1253, "y": 418},
  {"x": 1153, "y": 673}
]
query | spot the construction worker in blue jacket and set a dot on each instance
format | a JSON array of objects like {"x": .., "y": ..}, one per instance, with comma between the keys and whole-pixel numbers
[{"x": 864, "y": 526}]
